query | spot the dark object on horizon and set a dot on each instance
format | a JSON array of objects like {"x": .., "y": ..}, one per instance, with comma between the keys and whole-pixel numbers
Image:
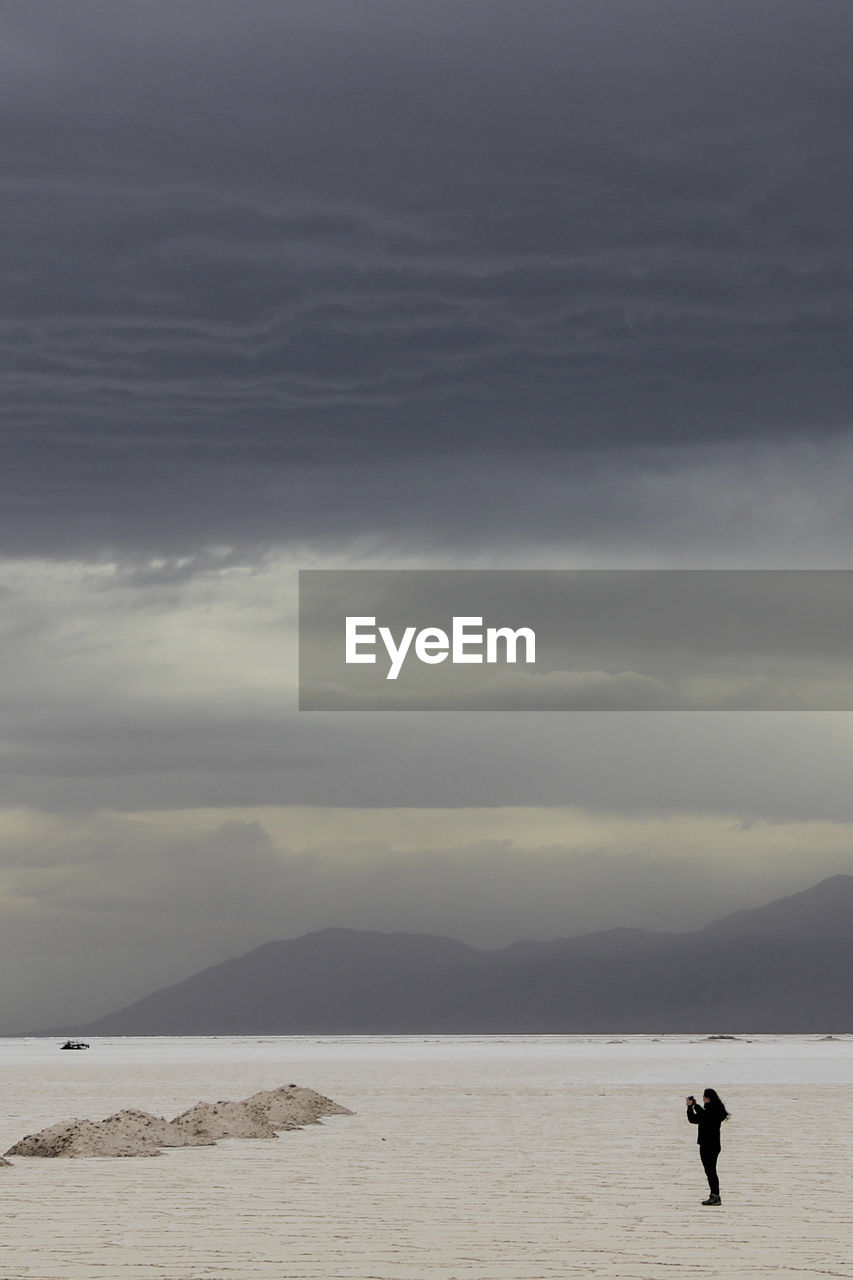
[
  {"x": 74, "y": 1044},
  {"x": 781, "y": 969}
]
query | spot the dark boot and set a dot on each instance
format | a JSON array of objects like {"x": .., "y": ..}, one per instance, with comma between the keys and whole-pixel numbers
[{"x": 713, "y": 1198}]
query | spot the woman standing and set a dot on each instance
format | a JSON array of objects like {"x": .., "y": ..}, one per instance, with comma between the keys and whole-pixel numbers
[{"x": 708, "y": 1117}]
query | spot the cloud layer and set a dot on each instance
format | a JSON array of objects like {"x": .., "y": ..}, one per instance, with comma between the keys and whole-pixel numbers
[{"x": 286, "y": 237}]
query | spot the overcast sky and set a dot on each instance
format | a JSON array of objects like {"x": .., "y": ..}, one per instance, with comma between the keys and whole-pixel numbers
[{"x": 389, "y": 284}]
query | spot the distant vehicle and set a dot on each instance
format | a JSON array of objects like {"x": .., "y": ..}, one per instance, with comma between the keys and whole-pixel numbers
[{"x": 74, "y": 1044}]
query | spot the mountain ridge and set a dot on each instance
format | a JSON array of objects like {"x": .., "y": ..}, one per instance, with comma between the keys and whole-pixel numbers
[{"x": 781, "y": 967}]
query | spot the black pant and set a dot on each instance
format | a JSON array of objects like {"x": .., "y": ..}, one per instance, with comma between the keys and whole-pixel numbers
[{"x": 708, "y": 1156}]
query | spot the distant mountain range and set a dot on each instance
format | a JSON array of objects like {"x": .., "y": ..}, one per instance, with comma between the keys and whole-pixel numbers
[{"x": 783, "y": 968}]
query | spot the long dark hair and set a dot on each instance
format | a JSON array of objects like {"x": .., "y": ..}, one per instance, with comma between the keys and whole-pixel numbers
[{"x": 716, "y": 1104}]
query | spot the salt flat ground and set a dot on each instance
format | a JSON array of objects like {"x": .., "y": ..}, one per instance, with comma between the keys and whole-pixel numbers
[{"x": 480, "y": 1158}]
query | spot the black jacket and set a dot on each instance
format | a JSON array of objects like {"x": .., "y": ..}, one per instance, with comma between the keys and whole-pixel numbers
[{"x": 709, "y": 1120}]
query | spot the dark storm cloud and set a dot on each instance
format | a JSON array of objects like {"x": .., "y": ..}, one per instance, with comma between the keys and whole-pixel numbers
[{"x": 266, "y": 235}]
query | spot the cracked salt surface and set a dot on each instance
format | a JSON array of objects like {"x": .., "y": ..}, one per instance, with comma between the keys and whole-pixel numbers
[{"x": 505, "y": 1158}]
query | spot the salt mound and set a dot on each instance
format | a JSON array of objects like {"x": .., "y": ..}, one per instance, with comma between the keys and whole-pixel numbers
[
  {"x": 68, "y": 1138},
  {"x": 136, "y": 1133},
  {"x": 87, "y": 1138},
  {"x": 127, "y": 1133},
  {"x": 5, "y": 1164},
  {"x": 207, "y": 1121},
  {"x": 292, "y": 1106},
  {"x": 140, "y": 1126}
]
